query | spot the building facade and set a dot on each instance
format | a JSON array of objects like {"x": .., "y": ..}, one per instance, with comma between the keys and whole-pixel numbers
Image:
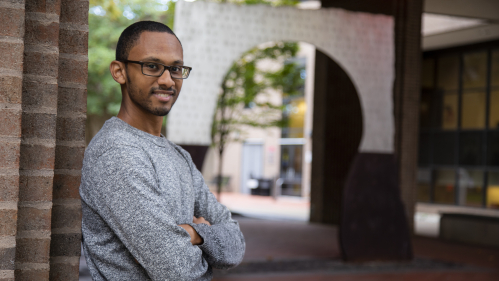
[{"x": 459, "y": 111}]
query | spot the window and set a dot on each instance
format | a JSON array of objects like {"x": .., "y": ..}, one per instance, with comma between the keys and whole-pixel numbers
[
  {"x": 444, "y": 186},
  {"x": 291, "y": 169},
  {"x": 459, "y": 127},
  {"x": 424, "y": 181},
  {"x": 470, "y": 184}
]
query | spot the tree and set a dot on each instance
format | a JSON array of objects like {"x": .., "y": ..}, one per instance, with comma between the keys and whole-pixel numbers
[{"x": 244, "y": 98}]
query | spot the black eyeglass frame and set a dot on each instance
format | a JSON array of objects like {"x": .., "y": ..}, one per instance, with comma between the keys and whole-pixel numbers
[{"x": 164, "y": 69}]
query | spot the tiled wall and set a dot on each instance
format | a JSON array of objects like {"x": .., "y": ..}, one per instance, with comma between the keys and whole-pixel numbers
[{"x": 214, "y": 35}]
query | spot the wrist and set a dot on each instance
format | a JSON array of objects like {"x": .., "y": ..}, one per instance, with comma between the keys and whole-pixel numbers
[
  {"x": 204, "y": 231},
  {"x": 195, "y": 238}
]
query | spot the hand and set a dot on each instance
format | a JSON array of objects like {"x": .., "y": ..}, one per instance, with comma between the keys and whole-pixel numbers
[
  {"x": 200, "y": 220},
  {"x": 195, "y": 238}
]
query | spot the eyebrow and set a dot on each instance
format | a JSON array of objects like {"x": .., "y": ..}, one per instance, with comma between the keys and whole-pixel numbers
[{"x": 154, "y": 59}]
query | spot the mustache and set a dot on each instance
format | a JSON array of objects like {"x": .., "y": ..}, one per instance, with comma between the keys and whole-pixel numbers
[{"x": 171, "y": 89}]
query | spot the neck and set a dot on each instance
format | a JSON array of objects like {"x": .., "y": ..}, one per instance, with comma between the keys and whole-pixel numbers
[{"x": 140, "y": 119}]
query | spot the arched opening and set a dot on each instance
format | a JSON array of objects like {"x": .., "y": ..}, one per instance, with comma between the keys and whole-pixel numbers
[
  {"x": 307, "y": 159},
  {"x": 272, "y": 84}
]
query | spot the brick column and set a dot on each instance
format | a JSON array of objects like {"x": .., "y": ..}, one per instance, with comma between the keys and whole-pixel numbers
[
  {"x": 39, "y": 109},
  {"x": 43, "y": 76},
  {"x": 11, "y": 67},
  {"x": 70, "y": 140}
]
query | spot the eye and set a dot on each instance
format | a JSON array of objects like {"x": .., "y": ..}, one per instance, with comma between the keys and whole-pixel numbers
[
  {"x": 151, "y": 66},
  {"x": 176, "y": 69}
]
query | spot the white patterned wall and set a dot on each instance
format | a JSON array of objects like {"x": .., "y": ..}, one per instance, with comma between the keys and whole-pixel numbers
[{"x": 215, "y": 35}]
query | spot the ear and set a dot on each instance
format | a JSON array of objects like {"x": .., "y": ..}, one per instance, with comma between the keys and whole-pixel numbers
[{"x": 118, "y": 71}]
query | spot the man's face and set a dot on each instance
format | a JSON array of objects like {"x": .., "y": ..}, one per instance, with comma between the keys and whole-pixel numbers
[{"x": 155, "y": 95}]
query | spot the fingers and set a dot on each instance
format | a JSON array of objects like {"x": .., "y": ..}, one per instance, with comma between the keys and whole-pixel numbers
[
  {"x": 206, "y": 222},
  {"x": 201, "y": 220}
]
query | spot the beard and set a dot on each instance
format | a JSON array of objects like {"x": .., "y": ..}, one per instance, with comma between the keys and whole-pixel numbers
[{"x": 138, "y": 97}]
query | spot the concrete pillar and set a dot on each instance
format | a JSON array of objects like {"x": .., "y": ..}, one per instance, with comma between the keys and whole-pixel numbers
[
  {"x": 407, "y": 14},
  {"x": 407, "y": 89},
  {"x": 337, "y": 131}
]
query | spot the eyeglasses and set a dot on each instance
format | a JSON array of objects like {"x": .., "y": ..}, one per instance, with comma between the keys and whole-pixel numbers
[{"x": 157, "y": 69}]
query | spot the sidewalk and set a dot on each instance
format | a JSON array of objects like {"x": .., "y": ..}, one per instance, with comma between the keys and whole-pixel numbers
[
  {"x": 282, "y": 245},
  {"x": 286, "y": 208},
  {"x": 284, "y": 250}
]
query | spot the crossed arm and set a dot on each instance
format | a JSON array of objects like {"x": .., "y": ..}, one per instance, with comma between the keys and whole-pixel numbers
[{"x": 125, "y": 196}]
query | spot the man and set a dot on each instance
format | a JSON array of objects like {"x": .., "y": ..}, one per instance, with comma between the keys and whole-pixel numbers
[{"x": 147, "y": 213}]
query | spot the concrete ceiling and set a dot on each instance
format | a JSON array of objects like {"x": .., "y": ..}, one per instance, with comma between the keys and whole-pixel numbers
[
  {"x": 485, "y": 11},
  {"x": 438, "y": 23}
]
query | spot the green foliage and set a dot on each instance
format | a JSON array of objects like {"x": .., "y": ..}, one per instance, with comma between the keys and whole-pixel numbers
[
  {"x": 265, "y": 2},
  {"x": 107, "y": 19},
  {"x": 245, "y": 98}
]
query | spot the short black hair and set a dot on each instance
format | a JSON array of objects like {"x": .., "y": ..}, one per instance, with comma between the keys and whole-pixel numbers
[{"x": 131, "y": 34}]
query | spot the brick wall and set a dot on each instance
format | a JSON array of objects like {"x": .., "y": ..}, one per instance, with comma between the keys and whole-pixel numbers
[
  {"x": 12, "y": 15},
  {"x": 36, "y": 168},
  {"x": 43, "y": 72}
]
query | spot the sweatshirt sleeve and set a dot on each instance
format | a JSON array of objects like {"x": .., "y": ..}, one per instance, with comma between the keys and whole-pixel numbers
[
  {"x": 224, "y": 244},
  {"x": 125, "y": 194}
]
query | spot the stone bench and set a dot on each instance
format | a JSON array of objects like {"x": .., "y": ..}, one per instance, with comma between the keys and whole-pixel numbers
[{"x": 472, "y": 229}]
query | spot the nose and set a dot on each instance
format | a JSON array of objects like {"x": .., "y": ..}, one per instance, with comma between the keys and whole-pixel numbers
[{"x": 166, "y": 79}]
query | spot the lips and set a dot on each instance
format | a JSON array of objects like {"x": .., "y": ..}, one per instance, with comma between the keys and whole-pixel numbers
[{"x": 163, "y": 96}]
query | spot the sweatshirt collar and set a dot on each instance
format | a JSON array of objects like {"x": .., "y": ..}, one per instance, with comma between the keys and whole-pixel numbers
[{"x": 160, "y": 141}]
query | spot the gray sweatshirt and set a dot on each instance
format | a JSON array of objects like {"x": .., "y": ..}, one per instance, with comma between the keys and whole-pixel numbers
[{"x": 136, "y": 189}]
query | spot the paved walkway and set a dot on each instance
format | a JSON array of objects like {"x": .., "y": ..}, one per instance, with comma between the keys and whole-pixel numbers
[
  {"x": 284, "y": 208},
  {"x": 284, "y": 250},
  {"x": 281, "y": 245}
]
